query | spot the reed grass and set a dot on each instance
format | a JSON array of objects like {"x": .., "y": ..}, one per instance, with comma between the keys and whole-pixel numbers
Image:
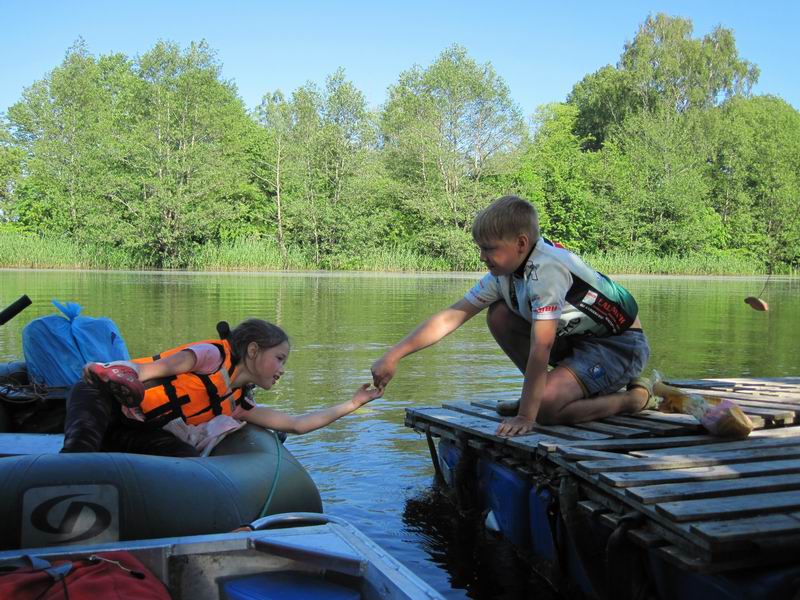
[
  {"x": 626, "y": 263},
  {"x": 392, "y": 259},
  {"x": 247, "y": 255},
  {"x": 21, "y": 250}
]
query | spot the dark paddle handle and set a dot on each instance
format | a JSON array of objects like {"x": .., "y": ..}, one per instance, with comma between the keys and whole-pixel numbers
[{"x": 13, "y": 309}]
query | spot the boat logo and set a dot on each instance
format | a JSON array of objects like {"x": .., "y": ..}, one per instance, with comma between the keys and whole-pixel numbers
[{"x": 67, "y": 514}]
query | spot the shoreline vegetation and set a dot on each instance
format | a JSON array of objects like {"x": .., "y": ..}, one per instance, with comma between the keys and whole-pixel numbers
[
  {"x": 22, "y": 251},
  {"x": 665, "y": 163}
]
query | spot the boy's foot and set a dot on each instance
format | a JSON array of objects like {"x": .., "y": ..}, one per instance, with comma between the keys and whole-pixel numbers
[
  {"x": 507, "y": 408},
  {"x": 647, "y": 400},
  {"x": 120, "y": 381}
]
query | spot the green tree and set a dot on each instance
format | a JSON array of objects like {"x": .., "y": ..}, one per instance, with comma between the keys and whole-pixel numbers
[
  {"x": 10, "y": 168},
  {"x": 553, "y": 176},
  {"x": 319, "y": 144},
  {"x": 143, "y": 154},
  {"x": 446, "y": 130},
  {"x": 667, "y": 196},
  {"x": 757, "y": 177},
  {"x": 185, "y": 152},
  {"x": 270, "y": 161},
  {"x": 58, "y": 126},
  {"x": 662, "y": 69}
]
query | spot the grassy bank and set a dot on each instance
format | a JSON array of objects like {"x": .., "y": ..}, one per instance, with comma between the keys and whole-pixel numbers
[{"x": 27, "y": 251}]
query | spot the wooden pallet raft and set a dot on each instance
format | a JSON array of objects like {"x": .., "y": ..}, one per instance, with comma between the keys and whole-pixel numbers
[
  {"x": 711, "y": 506},
  {"x": 707, "y": 504}
]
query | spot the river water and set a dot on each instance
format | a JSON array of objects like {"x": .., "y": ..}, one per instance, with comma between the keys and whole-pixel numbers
[{"x": 370, "y": 468}]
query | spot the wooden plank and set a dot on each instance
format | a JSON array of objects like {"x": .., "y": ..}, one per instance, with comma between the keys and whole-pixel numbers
[
  {"x": 748, "y": 529},
  {"x": 535, "y": 443},
  {"x": 677, "y": 461},
  {"x": 614, "y": 500},
  {"x": 557, "y": 431},
  {"x": 677, "y": 533},
  {"x": 616, "y": 431},
  {"x": 758, "y": 381},
  {"x": 690, "y": 422},
  {"x": 653, "y": 494},
  {"x": 700, "y": 384},
  {"x": 571, "y": 453},
  {"x": 627, "y": 445},
  {"x": 476, "y": 411},
  {"x": 747, "y": 394},
  {"x": 769, "y": 415},
  {"x": 456, "y": 420},
  {"x": 677, "y": 418},
  {"x": 730, "y": 506},
  {"x": 560, "y": 431},
  {"x": 656, "y": 427},
  {"x": 753, "y": 399},
  {"x": 642, "y": 478},
  {"x": 761, "y": 381},
  {"x": 481, "y": 428},
  {"x": 737, "y": 394},
  {"x": 766, "y": 439}
]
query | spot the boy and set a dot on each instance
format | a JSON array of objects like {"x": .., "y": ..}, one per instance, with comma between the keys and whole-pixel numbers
[{"x": 546, "y": 306}]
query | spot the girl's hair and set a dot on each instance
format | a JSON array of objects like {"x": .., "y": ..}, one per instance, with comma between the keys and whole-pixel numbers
[{"x": 266, "y": 335}]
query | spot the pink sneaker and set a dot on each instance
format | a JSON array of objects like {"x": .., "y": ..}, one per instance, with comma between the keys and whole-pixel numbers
[{"x": 120, "y": 381}]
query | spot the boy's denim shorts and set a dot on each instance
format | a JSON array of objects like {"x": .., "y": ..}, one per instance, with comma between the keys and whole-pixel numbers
[{"x": 604, "y": 365}]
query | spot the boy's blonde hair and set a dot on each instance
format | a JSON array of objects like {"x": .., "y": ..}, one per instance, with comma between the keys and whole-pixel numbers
[{"x": 504, "y": 219}]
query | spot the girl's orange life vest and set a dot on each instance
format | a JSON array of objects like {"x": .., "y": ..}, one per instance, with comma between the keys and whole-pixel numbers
[{"x": 191, "y": 396}]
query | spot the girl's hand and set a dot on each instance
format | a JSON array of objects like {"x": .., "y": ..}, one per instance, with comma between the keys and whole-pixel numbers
[{"x": 365, "y": 394}]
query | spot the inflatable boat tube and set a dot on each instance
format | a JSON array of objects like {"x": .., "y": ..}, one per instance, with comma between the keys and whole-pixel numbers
[{"x": 59, "y": 499}]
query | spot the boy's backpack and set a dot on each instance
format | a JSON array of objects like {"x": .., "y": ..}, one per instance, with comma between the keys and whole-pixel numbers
[{"x": 57, "y": 347}]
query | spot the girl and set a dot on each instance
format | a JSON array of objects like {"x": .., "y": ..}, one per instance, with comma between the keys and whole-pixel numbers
[{"x": 124, "y": 406}]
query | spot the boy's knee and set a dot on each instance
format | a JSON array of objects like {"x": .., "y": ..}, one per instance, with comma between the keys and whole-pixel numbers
[
  {"x": 551, "y": 409},
  {"x": 549, "y": 413}
]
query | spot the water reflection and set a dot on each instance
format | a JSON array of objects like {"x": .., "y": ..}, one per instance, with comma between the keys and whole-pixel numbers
[{"x": 478, "y": 562}]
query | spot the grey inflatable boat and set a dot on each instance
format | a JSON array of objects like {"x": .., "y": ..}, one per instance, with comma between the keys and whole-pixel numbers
[{"x": 51, "y": 499}]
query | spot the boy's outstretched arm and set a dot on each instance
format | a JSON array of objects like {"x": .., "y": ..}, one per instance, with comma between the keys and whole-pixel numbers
[
  {"x": 426, "y": 334},
  {"x": 543, "y": 336},
  {"x": 280, "y": 421}
]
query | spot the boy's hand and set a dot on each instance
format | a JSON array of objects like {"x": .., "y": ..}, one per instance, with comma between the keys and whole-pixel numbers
[
  {"x": 515, "y": 426},
  {"x": 366, "y": 394},
  {"x": 383, "y": 370}
]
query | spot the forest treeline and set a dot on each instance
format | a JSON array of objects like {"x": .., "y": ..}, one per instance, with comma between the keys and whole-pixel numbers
[{"x": 157, "y": 159}]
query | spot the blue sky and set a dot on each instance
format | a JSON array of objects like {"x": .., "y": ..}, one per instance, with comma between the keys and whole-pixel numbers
[{"x": 539, "y": 48}]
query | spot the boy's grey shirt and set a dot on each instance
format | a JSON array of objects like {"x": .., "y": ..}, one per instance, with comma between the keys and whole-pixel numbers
[{"x": 557, "y": 284}]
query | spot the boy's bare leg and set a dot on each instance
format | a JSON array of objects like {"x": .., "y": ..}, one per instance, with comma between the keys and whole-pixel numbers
[
  {"x": 564, "y": 400},
  {"x": 511, "y": 332}
]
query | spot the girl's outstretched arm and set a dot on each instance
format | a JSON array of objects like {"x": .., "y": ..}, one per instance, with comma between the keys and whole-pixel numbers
[
  {"x": 280, "y": 421},
  {"x": 175, "y": 364}
]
